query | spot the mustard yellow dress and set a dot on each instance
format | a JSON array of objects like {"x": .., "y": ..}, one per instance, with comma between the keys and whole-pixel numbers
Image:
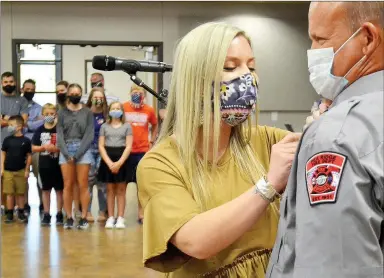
[{"x": 168, "y": 204}]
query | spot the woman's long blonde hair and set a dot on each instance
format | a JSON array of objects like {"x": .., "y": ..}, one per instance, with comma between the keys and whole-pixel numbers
[{"x": 199, "y": 61}]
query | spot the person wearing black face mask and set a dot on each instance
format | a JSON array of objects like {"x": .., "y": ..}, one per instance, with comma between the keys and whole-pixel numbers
[
  {"x": 11, "y": 105},
  {"x": 75, "y": 133},
  {"x": 61, "y": 93},
  {"x": 35, "y": 120}
]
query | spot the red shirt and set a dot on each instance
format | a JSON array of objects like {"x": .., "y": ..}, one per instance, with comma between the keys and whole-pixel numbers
[{"x": 139, "y": 119}]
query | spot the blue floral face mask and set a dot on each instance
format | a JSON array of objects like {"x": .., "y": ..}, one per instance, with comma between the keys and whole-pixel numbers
[{"x": 237, "y": 99}]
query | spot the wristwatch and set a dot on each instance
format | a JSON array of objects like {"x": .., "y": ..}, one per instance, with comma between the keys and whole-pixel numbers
[{"x": 266, "y": 190}]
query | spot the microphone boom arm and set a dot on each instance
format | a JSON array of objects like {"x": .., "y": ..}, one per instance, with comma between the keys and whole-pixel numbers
[{"x": 140, "y": 83}]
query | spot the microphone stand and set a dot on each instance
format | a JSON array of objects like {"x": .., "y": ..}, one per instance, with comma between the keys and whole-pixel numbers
[{"x": 140, "y": 83}]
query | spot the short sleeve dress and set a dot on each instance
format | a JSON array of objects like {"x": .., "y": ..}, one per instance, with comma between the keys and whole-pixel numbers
[{"x": 168, "y": 204}]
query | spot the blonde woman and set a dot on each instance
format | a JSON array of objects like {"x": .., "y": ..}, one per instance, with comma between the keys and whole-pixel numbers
[{"x": 210, "y": 185}]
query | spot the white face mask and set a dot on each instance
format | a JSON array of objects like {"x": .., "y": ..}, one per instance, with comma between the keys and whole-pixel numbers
[{"x": 320, "y": 63}]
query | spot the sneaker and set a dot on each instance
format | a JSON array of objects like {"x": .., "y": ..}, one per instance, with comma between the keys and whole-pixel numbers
[
  {"x": 59, "y": 218},
  {"x": 90, "y": 217},
  {"x": 9, "y": 216},
  {"x": 46, "y": 220},
  {"x": 69, "y": 223},
  {"x": 120, "y": 223},
  {"x": 27, "y": 209},
  {"x": 83, "y": 224},
  {"x": 21, "y": 216},
  {"x": 110, "y": 223}
]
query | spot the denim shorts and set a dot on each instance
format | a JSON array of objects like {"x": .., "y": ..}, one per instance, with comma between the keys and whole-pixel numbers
[{"x": 72, "y": 147}]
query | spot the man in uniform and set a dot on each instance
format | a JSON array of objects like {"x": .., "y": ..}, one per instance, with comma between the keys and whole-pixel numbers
[{"x": 332, "y": 212}]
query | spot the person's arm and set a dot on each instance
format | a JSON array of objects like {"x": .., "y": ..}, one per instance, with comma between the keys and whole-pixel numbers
[
  {"x": 38, "y": 149},
  {"x": 3, "y": 155},
  {"x": 34, "y": 124},
  {"x": 154, "y": 125},
  {"x": 211, "y": 231},
  {"x": 128, "y": 148},
  {"x": 4, "y": 149},
  {"x": 36, "y": 143},
  {"x": 208, "y": 233},
  {"x": 60, "y": 134},
  {"x": 4, "y": 121},
  {"x": 24, "y": 110},
  {"x": 52, "y": 149},
  {"x": 89, "y": 134},
  {"x": 28, "y": 163},
  {"x": 154, "y": 131},
  {"x": 103, "y": 152}
]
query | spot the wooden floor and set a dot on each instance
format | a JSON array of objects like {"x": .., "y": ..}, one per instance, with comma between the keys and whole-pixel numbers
[{"x": 32, "y": 251}]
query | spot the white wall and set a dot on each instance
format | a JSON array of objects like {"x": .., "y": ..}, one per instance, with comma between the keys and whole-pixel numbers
[
  {"x": 117, "y": 83},
  {"x": 278, "y": 31}
]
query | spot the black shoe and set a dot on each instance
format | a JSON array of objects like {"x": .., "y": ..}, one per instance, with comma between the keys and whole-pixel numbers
[
  {"x": 69, "y": 223},
  {"x": 27, "y": 209},
  {"x": 46, "y": 220},
  {"x": 21, "y": 216},
  {"x": 83, "y": 224},
  {"x": 9, "y": 216},
  {"x": 59, "y": 218}
]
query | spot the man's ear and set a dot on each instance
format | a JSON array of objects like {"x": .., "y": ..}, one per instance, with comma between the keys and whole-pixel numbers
[{"x": 372, "y": 38}]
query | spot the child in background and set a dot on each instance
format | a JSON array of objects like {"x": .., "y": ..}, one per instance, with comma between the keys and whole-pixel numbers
[
  {"x": 16, "y": 159},
  {"x": 44, "y": 142},
  {"x": 115, "y": 143},
  {"x": 97, "y": 102}
]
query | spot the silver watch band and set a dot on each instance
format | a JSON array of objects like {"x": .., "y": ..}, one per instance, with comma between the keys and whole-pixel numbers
[{"x": 266, "y": 190}]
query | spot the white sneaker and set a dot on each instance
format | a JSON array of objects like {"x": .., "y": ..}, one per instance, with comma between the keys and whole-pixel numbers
[
  {"x": 120, "y": 223},
  {"x": 110, "y": 224}
]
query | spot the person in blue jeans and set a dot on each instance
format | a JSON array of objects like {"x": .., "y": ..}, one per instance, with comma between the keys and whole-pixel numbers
[
  {"x": 98, "y": 104},
  {"x": 75, "y": 133}
]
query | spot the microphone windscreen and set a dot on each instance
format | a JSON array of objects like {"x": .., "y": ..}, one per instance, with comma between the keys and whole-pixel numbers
[{"x": 103, "y": 62}]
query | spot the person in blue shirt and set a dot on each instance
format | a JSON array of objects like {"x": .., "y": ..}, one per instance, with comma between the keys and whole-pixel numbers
[{"x": 35, "y": 120}]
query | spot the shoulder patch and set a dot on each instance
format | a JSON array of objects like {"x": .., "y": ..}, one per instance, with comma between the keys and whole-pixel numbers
[{"x": 323, "y": 173}]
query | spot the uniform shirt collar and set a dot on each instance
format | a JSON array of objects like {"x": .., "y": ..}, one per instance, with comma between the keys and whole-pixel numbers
[{"x": 373, "y": 82}]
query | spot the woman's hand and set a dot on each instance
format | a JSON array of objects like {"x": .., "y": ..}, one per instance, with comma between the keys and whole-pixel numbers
[{"x": 280, "y": 164}]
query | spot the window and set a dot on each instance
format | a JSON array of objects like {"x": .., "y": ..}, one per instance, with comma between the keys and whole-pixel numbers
[{"x": 42, "y": 63}]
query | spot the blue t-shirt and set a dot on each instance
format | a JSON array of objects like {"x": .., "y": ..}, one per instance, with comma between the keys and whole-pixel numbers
[{"x": 99, "y": 120}]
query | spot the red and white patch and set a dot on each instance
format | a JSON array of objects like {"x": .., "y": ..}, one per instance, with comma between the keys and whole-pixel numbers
[{"x": 323, "y": 175}]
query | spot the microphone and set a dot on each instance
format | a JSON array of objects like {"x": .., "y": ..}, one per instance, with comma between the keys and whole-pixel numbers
[{"x": 109, "y": 63}]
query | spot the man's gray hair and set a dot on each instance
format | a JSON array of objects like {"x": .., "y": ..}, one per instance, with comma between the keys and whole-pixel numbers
[{"x": 360, "y": 12}]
